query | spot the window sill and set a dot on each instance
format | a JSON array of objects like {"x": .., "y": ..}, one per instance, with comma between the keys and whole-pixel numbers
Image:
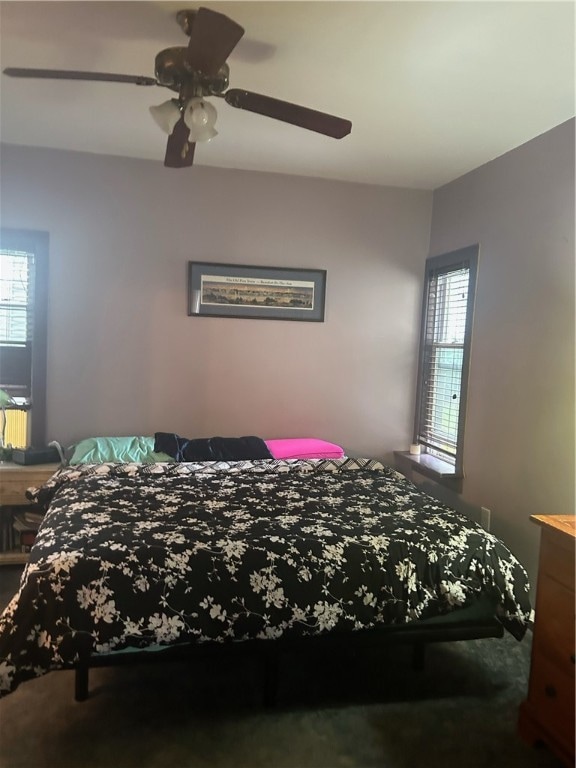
[{"x": 429, "y": 466}]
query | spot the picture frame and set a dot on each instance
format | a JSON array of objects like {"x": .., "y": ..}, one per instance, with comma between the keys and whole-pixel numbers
[{"x": 256, "y": 292}]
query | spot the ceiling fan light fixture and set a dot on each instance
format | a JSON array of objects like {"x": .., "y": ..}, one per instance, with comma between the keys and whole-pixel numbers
[
  {"x": 166, "y": 115},
  {"x": 200, "y": 116}
]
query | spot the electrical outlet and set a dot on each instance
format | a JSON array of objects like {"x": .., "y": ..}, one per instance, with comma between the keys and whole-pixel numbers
[{"x": 485, "y": 515}]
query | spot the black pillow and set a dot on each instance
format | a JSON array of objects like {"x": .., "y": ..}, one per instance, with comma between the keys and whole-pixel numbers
[{"x": 211, "y": 448}]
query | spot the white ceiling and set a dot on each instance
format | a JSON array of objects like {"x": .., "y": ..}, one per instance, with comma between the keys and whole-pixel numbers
[{"x": 433, "y": 89}]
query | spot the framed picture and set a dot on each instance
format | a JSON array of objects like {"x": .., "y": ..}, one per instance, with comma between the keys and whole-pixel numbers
[{"x": 268, "y": 293}]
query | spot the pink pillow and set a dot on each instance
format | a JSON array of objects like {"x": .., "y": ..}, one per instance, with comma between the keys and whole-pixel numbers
[{"x": 304, "y": 448}]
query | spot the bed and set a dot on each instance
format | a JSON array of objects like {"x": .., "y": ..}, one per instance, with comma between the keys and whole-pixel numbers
[{"x": 139, "y": 560}]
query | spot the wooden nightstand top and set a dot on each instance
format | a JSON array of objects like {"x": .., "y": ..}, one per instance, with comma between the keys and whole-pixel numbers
[{"x": 10, "y": 466}]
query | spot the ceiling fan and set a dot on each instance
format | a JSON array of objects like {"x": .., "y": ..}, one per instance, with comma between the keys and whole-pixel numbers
[{"x": 194, "y": 72}]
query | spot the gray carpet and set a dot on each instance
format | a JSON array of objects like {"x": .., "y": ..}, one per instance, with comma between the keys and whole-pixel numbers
[{"x": 353, "y": 709}]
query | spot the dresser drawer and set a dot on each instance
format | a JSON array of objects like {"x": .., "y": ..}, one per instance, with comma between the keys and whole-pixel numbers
[
  {"x": 557, "y": 559},
  {"x": 554, "y": 634},
  {"x": 11, "y": 492},
  {"x": 552, "y": 699},
  {"x": 15, "y": 479}
]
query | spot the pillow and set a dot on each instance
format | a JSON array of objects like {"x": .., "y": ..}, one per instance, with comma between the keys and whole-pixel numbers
[
  {"x": 211, "y": 448},
  {"x": 122, "y": 450},
  {"x": 304, "y": 448}
]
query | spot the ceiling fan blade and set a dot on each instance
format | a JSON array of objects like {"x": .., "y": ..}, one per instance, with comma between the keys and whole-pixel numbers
[
  {"x": 213, "y": 37},
  {"x": 64, "y": 74},
  {"x": 179, "y": 151},
  {"x": 303, "y": 117}
]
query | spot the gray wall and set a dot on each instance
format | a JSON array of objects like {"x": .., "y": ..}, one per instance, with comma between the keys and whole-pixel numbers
[
  {"x": 519, "y": 452},
  {"x": 124, "y": 357}
]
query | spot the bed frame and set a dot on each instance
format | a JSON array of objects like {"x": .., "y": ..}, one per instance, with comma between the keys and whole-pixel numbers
[{"x": 418, "y": 634}]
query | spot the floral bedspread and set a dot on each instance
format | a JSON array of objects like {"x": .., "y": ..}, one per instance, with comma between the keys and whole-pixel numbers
[{"x": 134, "y": 555}]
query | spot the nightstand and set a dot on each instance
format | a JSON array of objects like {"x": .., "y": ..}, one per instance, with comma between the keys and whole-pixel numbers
[
  {"x": 15, "y": 479},
  {"x": 547, "y": 715}
]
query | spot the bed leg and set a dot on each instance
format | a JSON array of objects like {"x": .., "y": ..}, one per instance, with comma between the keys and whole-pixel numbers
[
  {"x": 84, "y": 649},
  {"x": 419, "y": 656},
  {"x": 271, "y": 667},
  {"x": 81, "y": 682}
]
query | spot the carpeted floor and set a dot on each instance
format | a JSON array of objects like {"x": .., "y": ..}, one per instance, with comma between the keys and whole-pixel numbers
[{"x": 350, "y": 710}]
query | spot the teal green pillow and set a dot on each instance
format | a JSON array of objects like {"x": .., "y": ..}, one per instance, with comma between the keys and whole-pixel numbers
[{"x": 122, "y": 450}]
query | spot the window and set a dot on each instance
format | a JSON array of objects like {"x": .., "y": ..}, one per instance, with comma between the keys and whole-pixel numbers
[
  {"x": 23, "y": 314},
  {"x": 447, "y": 313}
]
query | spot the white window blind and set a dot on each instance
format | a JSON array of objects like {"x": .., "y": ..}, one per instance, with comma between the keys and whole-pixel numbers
[
  {"x": 23, "y": 324},
  {"x": 16, "y": 321},
  {"x": 16, "y": 297},
  {"x": 445, "y": 352}
]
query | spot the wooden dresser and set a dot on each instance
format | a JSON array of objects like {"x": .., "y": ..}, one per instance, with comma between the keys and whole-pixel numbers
[{"x": 547, "y": 715}]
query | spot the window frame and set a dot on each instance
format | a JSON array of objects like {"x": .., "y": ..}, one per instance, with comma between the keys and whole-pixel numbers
[
  {"x": 36, "y": 242},
  {"x": 446, "y": 262}
]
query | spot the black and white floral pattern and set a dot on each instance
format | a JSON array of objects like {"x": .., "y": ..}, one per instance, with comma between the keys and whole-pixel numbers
[{"x": 133, "y": 555}]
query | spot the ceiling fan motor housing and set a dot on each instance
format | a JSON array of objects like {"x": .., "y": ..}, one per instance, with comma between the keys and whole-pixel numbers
[{"x": 173, "y": 70}]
